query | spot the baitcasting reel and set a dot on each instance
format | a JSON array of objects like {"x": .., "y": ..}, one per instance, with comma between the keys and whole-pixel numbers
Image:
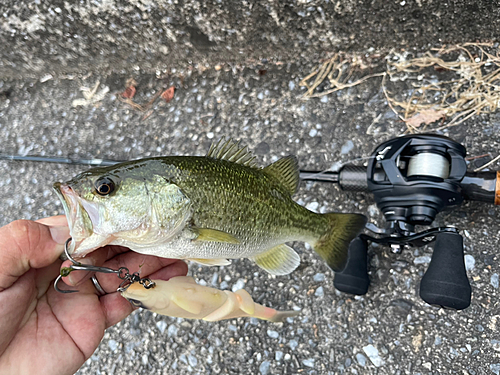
[{"x": 412, "y": 179}]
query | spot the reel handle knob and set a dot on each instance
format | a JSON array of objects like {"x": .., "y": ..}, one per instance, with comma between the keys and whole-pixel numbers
[
  {"x": 354, "y": 277},
  {"x": 445, "y": 282}
]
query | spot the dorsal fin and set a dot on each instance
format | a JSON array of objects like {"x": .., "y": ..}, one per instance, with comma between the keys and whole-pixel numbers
[
  {"x": 286, "y": 170},
  {"x": 231, "y": 151}
]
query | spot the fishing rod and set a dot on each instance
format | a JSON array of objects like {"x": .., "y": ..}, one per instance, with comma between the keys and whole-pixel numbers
[
  {"x": 412, "y": 179},
  {"x": 319, "y": 176},
  {"x": 56, "y": 160}
]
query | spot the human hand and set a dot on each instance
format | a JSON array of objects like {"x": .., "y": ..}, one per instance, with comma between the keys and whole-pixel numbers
[{"x": 46, "y": 332}]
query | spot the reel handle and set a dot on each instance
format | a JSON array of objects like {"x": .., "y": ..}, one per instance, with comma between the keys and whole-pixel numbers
[
  {"x": 445, "y": 282},
  {"x": 354, "y": 277}
]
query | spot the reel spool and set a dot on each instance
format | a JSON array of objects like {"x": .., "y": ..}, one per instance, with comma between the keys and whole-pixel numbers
[{"x": 428, "y": 164}]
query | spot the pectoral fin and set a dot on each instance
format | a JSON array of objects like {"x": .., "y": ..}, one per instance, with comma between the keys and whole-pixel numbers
[
  {"x": 212, "y": 262},
  {"x": 280, "y": 260},
  {"x": 189, "y": 305},
  {"x": 214, "y": 235}
]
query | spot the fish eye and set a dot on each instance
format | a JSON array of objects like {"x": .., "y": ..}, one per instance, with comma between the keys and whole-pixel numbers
[
  {"x": 135, "y": 302},
  {"x": 104, "y": 186}
]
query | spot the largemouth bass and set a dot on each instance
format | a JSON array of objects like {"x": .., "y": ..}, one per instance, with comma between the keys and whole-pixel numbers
[
  {"x": 181, "y": 297},
  {"x": 207, "y": 209}
]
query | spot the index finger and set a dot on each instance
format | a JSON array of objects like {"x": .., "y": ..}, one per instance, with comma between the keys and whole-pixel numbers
[{"x": 26, "y": 244}]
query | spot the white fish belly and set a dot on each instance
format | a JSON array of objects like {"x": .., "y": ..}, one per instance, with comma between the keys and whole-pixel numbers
[{"x": 184, "y": 248}]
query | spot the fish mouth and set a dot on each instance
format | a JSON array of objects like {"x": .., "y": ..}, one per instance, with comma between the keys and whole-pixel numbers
[{"x": 79, "y": 214}]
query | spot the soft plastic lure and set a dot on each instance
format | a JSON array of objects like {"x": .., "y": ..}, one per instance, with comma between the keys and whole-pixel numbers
[{"x": 181, "y": 297}]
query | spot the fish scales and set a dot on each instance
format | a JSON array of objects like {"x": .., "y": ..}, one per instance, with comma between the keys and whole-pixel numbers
[{"x": 241, "y": 201}]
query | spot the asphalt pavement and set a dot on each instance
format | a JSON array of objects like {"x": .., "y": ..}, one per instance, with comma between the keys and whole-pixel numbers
[{"x": 390, "y": 330}]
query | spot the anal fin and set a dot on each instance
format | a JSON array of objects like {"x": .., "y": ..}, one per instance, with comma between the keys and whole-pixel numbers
[{"x": 280, "y": 260}]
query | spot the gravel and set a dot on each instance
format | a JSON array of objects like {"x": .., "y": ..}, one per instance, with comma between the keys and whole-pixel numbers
[{"x": 389, "y": 330}]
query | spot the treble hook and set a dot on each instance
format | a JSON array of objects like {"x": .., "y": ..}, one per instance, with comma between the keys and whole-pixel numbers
[{"x": 122, "y": 273}]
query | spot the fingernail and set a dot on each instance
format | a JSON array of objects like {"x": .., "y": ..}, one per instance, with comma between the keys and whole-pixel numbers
[
  {"x": 76, "y": 277},
  {"x": 60, "y": 234}
]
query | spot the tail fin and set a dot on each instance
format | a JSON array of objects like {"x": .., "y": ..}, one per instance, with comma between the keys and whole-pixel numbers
[
  {"x": 334, "y": 244},
  {"x": 281, "y": 316}
]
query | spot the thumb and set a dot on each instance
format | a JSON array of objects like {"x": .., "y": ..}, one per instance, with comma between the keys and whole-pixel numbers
[{"x": 26, "y": 244}]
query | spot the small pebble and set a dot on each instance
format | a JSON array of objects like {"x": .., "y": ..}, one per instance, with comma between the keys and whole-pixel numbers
[
  {"x": 495, "y": 368},
  {"x": 278, "y": 356},
  {"x": 319, "y": 292},
  {"x": 422, "y": 260},
  {"x": 260, "y": 96},
  {"x": 193, "y": 361},
  {"x": 361, "y": 359},
  {"x": 335, "y": 167},
  {"x": 373, "y": 355},
  {"x": 113, "y": 345},
  {"x": 324, "y": 99},
  {"x": 293, "y": 344},
  {"x": 313, "y": 132},
  {"x": 313, "y": 206},
  {"x": 161, "y": 325},
  {"x": 291, "y": 85},
  {"x": 470, "y": 262},
  {"x": 308, "y": 362},
  {"x": 453, "y": 353},
  {"x": 145, "y": 359},
  {"x": 240, "y": 284},
  {"x": 348, "y": 146},
  {"x": 273, "y": 334},
  {"x": 172, "y": 330},
  {"x": 494, "y": 280},
  {"x": 264, "y": 367},
  {"x": 319, "y": 277}
]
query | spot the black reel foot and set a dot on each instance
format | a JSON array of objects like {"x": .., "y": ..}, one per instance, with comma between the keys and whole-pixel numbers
[
  {"x": 445, "y": 282},
  {"x": 354, "y": 278}
]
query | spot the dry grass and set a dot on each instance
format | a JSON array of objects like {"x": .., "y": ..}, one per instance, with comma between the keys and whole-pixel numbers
[
  {"x": 471, "y": 86},
  {"x": 338, "y": 70}
]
